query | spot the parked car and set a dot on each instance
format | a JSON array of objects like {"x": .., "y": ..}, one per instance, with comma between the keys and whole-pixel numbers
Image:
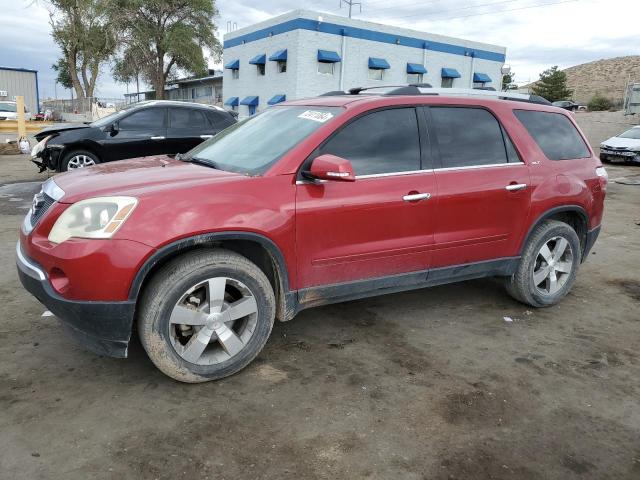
[
  {"x": 8, "y": 111},
  {"x": 624, "y": 147},
  {"x": 312, "y": 202},
  {"x": 145, "y": 128},
  {"x": 567, "y": 105}
]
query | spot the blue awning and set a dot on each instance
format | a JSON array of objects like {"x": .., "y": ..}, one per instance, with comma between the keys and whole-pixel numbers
[
  {"x": 378, "y": 63},
  {"x": 233, "y": 65},
  {"x": 259, "y": 60},
  {"x": 450, "y": 73},
  {"x": 481, "y": 78},
  {"x": 415, "y": 68},
  {"x": 279, "y": 56},
  {"x": 251, "y": 100},
  {"x": 277, "y": 99},
  {"x": 328, "y": 56},
  {"x": 232, "y": 101}
]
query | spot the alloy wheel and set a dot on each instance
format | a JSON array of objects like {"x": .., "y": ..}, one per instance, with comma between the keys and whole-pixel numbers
[
  {"x": 553, "y": 266},
  {"x": 213, "y": 321},
  {"x": 80, "y": 161}
]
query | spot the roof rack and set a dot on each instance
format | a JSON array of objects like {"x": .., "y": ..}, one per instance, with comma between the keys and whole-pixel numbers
[{"x": 426, "y": 89}]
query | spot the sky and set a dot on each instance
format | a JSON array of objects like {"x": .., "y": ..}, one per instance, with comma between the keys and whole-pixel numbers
[{"x": 537, "y": 33}]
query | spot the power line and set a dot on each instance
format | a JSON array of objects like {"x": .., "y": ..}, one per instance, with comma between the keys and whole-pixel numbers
[
  {"x": 478, "y": 5},
  {"x": 351, "y": 3}
]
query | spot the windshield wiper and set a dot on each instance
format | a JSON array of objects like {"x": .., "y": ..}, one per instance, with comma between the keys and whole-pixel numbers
[{"x": 198, "y": 161}]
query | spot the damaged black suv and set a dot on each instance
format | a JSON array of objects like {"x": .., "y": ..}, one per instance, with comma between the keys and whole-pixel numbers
[{"x": 147, "y": 128}]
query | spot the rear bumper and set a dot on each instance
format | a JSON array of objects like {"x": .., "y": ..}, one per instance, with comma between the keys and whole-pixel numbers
[
  {"x": 592, "y": 236},
  {"x": 101, "y": 327}
]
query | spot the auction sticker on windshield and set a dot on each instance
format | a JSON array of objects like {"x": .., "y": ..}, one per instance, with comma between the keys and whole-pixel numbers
[{"x": 316, "y": 116}]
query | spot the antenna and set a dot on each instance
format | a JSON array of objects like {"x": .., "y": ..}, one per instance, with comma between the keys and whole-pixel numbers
[{"x": 351, "y": 3}]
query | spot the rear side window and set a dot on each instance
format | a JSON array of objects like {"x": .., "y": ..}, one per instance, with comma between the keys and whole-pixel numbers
[
  {"x": 468, "y": 137},
  {"x": 186, "y": 118},
  {"x": 220, "y": 119},
  {"x": 386, "y": 141},
  {"x": 143, "y": 120},
  {"x": 554, "y": 133}
]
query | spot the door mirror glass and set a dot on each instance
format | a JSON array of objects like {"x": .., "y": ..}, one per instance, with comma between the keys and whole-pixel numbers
[
  {"x": 331, "y": 167},
  {"x": 112, "y": 129}
]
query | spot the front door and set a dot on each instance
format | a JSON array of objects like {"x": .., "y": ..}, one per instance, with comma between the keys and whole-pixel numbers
[
  {"x": 379, "y": 225},
  {"x": 140, "y": 134},
  {"x": 483, "y": 186}
]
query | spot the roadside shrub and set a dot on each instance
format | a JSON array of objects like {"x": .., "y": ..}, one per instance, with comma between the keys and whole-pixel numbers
[{"x": 598, "y": 103}]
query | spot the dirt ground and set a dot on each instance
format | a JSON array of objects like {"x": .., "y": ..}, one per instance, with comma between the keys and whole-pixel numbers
[{"x": 429, "y": 384}]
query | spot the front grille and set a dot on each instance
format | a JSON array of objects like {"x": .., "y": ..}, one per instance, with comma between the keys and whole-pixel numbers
[{"x": 37, "y": 213}]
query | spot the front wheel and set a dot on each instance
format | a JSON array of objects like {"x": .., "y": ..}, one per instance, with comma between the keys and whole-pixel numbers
[
  {"x": 206, "y": 315},
  {"x": 78, "y": 159},
  {"x": 548, "y": 266}
]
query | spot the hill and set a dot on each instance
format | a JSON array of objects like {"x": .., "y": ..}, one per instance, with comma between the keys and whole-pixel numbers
[{"x": 607, "y": 77}]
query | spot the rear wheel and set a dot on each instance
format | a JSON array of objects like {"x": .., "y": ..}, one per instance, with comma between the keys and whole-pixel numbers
[
  {"x": 548, "y": 266},
  {"x": 206, "y": 315},
  {"x": 78, "y": 159}
]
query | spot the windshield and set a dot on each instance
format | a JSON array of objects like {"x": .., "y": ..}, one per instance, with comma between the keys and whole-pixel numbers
[
  {"x": 256, "y": 143},
  {"x": 112, "y": 117},
  {"x": 631, "y": 133},
  {"x": 7, "y": 107}
]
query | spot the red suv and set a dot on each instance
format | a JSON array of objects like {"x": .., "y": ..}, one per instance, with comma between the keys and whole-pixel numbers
[{"x": 312, "y": 202}]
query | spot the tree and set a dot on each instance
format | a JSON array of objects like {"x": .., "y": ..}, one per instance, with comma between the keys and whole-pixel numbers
[
  {"x": 83, "y": 31},
  {"x": 552, "y": 85},
  {"x": 63, "y": 76},
  {"x": 508, "y": 82},
  {"x": 164, "y": 36}
]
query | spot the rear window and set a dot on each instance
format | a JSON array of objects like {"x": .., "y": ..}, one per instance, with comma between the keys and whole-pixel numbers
[{"x": 554, "y": 133}]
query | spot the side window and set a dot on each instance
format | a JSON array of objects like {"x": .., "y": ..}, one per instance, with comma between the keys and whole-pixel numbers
[
  {"x": 380, "y": 142},
  {"x": 186, "y": 118},
  {"x": 554, "y": 133},
  {"x": 512, "y": 153},
  {"x": 143, "y": 120},
  {"x": 220, "y": 119},
  {"x": 468, "y": 137}
]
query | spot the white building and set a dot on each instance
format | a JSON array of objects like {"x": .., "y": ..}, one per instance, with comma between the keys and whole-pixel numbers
[{"x": 304, "y": 54}]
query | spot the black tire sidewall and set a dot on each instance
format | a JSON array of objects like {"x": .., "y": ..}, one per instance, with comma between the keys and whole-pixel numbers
[
  {"x": 161, "y": 328},
  {"x": 555, "y": 230},
  {"x": 64, "y": 165}
]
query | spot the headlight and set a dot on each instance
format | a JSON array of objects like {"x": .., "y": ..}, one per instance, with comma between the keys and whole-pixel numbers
[
  {"x": 635, "y": 149},
  {"x": 38, "y": 147},
  {"x": 98, "y": 217}
]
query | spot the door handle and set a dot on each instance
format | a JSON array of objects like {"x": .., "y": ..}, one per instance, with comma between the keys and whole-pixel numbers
[
  {"x": 157, "y": 138},
  {"x": 514, "y": 187},
  {"x": 206, "y": 137},
  {"x": 413, "y": 197}
]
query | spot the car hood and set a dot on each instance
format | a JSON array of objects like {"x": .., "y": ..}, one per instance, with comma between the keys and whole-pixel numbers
[
  {"x": 622, "y": 142},
  {"x": 138, "y": 177},
  {"x": 59, "y": 128}
]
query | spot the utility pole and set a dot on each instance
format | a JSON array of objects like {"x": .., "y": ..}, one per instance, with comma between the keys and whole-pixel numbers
[{"x": 351, "y": 3}]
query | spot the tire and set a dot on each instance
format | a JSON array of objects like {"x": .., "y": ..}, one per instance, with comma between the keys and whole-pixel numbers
[
  {"x": 78, "y": 159},
  {"x": 533, "y": 265},
  {"x": 172, "y": 345}
]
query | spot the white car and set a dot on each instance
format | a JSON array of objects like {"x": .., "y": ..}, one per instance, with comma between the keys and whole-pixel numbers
[
  {"x": 625, "y": 146},
  {"x": 8, "y": 111}
]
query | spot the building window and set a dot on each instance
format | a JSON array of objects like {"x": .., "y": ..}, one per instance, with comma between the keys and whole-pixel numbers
[
  {"x": 376, "y": 74},
  {"x": 447, "y": 82},
  {"x": 414, "y": 78},
  {"x": 282, "y": 66},
  {"x": 252, "y": 108},
  {"x": 260, "y": 67},
  {"x": 479, "y": 84},
  {"x": 235, "y": 73},
  {"x": 325, "y": 68}
]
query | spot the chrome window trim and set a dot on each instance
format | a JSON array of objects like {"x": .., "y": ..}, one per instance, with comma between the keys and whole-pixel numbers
[
  {"x": 51, "y": 188},
  {"x": 28, "y": 265},
  {"x": 408, "y": 172},
  {"x": 469, "y": 167}
]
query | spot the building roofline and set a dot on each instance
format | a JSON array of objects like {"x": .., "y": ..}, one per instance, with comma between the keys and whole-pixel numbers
[
  {"x": 14, "y": 69},
  {"x": 331, "y": 24}
]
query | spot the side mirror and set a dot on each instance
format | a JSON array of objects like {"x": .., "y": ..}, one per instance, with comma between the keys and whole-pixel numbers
[
  {"x": 331, "y": 167},
  {"x": 112, "y": 129}
]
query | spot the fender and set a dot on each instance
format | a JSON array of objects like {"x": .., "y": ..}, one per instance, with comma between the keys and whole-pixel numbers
[
  {"x": 553, "y": 211},
  {"x": 205, "y": 238}
]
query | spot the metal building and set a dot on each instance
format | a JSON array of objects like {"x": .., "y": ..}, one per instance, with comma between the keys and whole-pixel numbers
[
  {"x": 304, "y": 53},
  {"x": 20, "y": 81}
]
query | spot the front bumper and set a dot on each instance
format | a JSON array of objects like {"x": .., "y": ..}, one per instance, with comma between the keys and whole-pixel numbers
[{"x": 101, "y": 327}]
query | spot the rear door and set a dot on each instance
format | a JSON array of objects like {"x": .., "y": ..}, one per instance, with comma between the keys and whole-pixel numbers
[
  {"x": 483, "y": 187},
  {"x": 187, "y": 128},
  {"x": 379, "y": 225},
  {"x": 143, "y": 132}
]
